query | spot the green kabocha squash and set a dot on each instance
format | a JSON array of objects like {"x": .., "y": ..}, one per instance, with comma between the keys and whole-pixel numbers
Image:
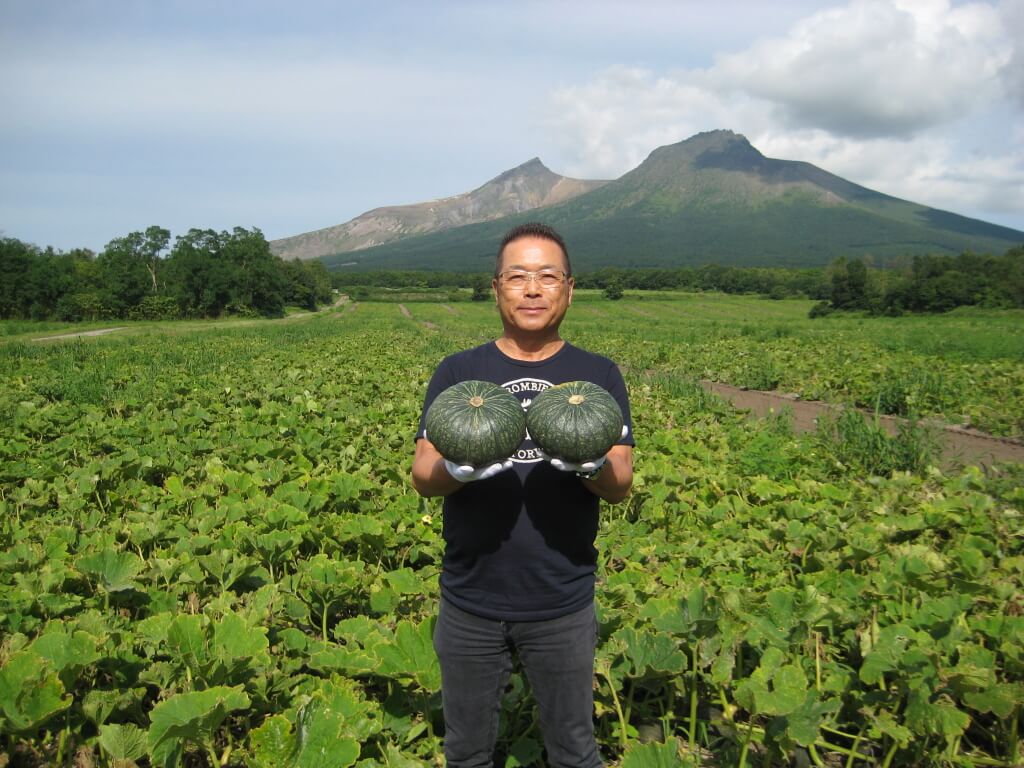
[
  {"x": 576, "y": 422},
  {"x": 476, "y": 422}
]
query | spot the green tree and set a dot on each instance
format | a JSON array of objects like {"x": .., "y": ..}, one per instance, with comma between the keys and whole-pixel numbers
[
  {"x": 130, "y": 266},
  {"x": 258, "y": 282},
  {"x": 849, "y": 284},
  {"x": 613, "y": 290},
  {"x": 16, "y": 259},
  {"x": 481, "y": 288},
  {"x": 198, "y": 278}
]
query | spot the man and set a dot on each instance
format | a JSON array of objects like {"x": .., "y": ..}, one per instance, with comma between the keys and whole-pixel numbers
[{"x": 519, "y": 563}]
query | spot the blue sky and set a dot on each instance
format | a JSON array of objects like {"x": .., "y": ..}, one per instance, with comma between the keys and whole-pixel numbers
[{"x": 295, "y": 116}]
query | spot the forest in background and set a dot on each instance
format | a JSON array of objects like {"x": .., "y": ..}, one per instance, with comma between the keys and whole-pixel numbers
[
  {"x": 140, "y": 276},
  {"x": 212, "y": 274}
]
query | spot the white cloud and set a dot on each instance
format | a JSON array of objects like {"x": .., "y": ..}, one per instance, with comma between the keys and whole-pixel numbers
[
  {"x": 927, "y": 170},
  {"x": 875, "y": 68},
  {"x": 878, "y": 92},
  {"x": 612, "y": 123}
]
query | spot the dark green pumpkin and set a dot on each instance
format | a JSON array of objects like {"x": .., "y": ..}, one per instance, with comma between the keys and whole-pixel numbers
[
  {"x": 576, "y": 422},
  {"x": 476, "y": 422}
]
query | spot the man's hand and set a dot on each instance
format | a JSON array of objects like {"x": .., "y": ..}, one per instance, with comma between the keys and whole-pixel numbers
[
  {"x": 583, "y": 468},
  {"x": 466, "y": 473}
]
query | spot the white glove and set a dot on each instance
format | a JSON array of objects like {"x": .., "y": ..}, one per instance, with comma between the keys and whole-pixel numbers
[
  {"x": 584, "y": 468},
  {"x": 466, "y": 473}
]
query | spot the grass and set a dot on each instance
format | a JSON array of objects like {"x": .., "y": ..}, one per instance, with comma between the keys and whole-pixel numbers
[{"x": 851, "y": 441}]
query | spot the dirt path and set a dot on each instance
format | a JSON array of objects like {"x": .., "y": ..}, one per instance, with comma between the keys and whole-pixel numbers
[
  {"x": 425, "y": 323},
  {"x": 97, "y": 332},
  {"x": 959, "y": 445},
  {"x": 342, "y": 299}
]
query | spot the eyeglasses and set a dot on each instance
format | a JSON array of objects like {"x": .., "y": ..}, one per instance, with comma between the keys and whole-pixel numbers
[{"x": 517, "y": 279}]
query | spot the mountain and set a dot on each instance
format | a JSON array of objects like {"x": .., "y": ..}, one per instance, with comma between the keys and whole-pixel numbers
[
  {"x": 526, "y": 187},
  {"x": 712, "y": 198}
]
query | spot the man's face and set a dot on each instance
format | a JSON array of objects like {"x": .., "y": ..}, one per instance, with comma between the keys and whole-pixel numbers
[{"x": 532, "y": 308}]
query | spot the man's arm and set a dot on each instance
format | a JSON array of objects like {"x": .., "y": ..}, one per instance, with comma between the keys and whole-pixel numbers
[
  {"x": 616, "y": 478},
  {"x": 429, "y": 476}
]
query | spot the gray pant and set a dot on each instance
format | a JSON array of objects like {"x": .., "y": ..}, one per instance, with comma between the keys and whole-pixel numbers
[{"x": 476, "y": 660}]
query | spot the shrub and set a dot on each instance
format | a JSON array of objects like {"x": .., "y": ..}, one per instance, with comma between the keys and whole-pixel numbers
[
  {"x": 613, "y": 291},
  {"x": 850, "y": 442},
  {"x": 155, "y": 308},
  {"x": 821, "y": 309}
]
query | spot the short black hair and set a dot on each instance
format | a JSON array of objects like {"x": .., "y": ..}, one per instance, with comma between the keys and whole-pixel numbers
[{"x": 533, "y": 229}]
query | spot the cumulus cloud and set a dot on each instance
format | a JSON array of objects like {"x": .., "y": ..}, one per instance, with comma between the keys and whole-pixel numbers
[
  {"x": 610, "y": 124},
  {"x": 875, "y": 91},
  {"x": 929, "y": 170},
  {"x": 875, "y": 68}
]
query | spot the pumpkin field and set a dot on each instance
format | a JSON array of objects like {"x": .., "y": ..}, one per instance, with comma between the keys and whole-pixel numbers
[{"x": 211, "y": 554}]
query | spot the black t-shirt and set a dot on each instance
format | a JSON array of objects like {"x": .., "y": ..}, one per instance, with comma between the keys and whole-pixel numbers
[{"x": 519, "y": 546}]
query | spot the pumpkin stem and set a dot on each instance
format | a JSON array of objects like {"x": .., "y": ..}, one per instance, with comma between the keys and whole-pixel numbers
[
  {"x": 476, "y": 401},
  {"x": 576, "y": 399}
]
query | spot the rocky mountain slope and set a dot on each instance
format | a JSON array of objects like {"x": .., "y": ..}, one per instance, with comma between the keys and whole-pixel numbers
[{"x": 527, "y": 187}]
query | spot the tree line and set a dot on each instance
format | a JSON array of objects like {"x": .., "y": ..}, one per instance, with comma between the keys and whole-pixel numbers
[
  {"x": 209, "y": 274},
  {"x": 777, "y": 282},
  {"x": 926, "y": 284},
  {"x": 141, "y": 276}
]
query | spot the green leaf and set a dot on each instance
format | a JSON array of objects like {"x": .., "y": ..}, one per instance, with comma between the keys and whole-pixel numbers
[
  {"x": 113, "y": 571},
  {"x": 781, "y": 607},
  {"x": 883, "y": 724},
  {"x": 383, "y": 600},
  {"x": 525, "y": 752},
  {"x": 647, "y": 652},
  {"x": 190, "y": 718},
  {"x": 233, "y": 638},
  {"x": 412, "y": 655},
  {"x": 98, "y": 704},
  {"x": 999, "y": 699},
  {"x": 803, "y": 724},
  {"x": 318, "y": 741},
  {"x": 342, "y": 697},
  {"x": 174, "y": 486},
  {"x": 395, "y": 758},
  {"x": 652, "y": 756},
  {"x": 887, "y": 653},
  {"x": 122, "y": 742},
  {"x": 405, "y": 581},
  {"x": 271, "y": 745},
  {"x": 766, "y": 489},
  {"x": 694, "y": 616},
  {"x": 30, "y": 692},
  {"x": 939, "y": 717},
  {"x": 773, "y": 688},
  {"x": 68, "y": 653},
  {"x": 154, "y": 629},
  {"x": 186, "y": 641},
  {"x": 789, "y": 686},
  {"x": 352, "y": 660}
]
